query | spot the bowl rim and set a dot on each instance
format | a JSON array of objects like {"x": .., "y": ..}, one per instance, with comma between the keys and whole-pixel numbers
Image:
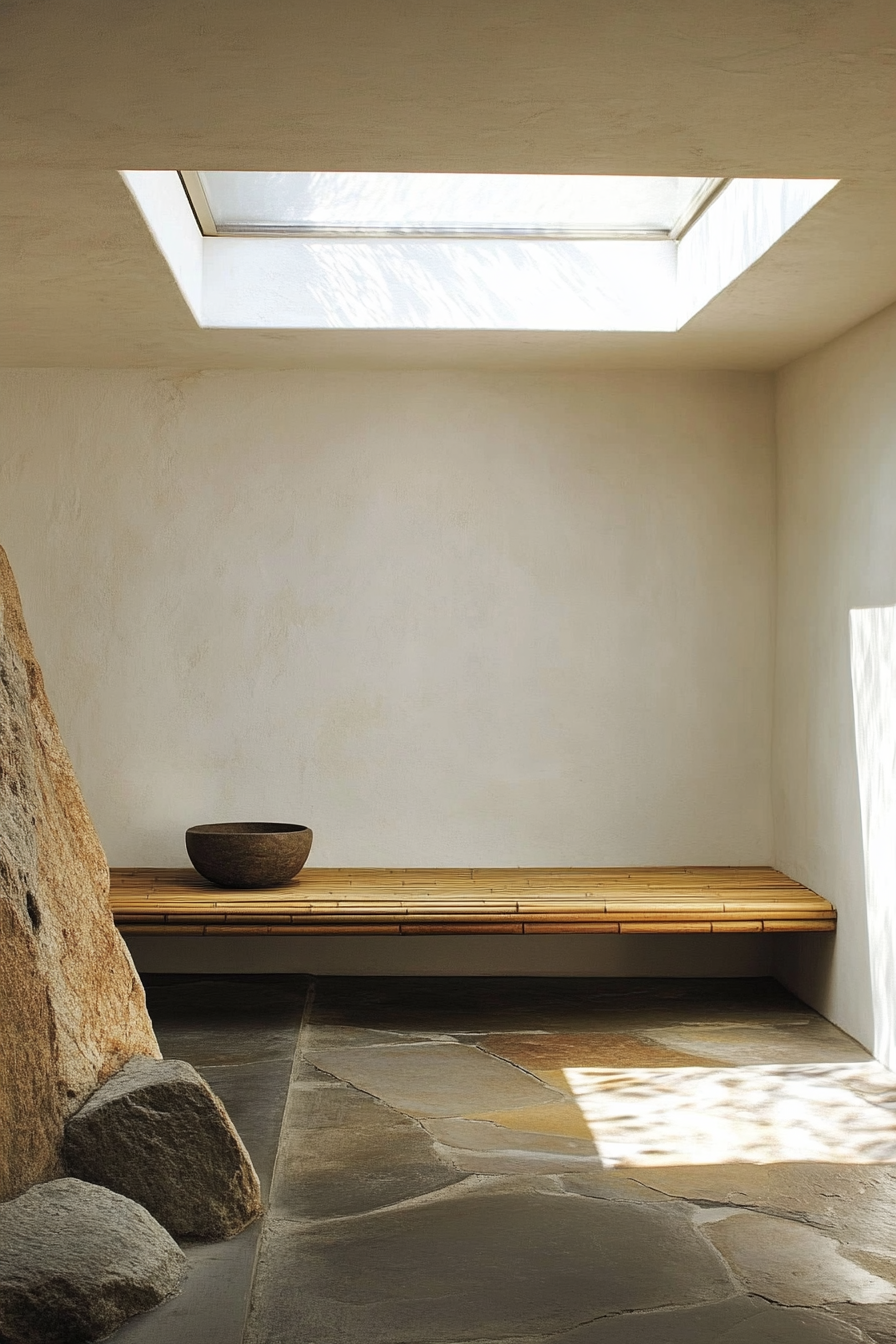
[{"x": 247, "y": 828}]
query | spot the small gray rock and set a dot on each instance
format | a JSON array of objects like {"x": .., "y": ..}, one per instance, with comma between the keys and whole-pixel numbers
[
  {"x": 76, "y": 1261},
  {"x": 158, "y": 1134}
]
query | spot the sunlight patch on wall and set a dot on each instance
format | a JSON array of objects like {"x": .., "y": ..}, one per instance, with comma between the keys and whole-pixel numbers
[
  {"x": 872, "y": 633},
  {"x": 446, "y": 286},
  {"x": 756, "y": 1114}
]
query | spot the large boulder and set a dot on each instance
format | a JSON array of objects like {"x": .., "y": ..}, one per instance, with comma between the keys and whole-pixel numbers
[
  {"x": 157, "y": 1133},
  {"x": 73, "y": 1008},
  {"x": 76, "y": 1261}
]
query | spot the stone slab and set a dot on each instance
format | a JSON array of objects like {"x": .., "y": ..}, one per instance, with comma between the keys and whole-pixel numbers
[
  {"x": 551, "y": 1056},
  {"x": 476, "y": 1265},
  {"x": 557, "y": 1117},
  {"x": 434, "y": 1079},
  {"x": 803, "y": 1040},
  {"x": 316, "y": 1037},
  {"x": 261, "y": 1012},
  {"x": 513, "y": 1163},
  {"x": 794, "y": 1265},
  {"x": 551, "y": 1052},
  {"x": 486, "y": 1136},
  {"x": 226, "y": 1020},
  {"x": 343, "y": 1152},
  {"x": 254, "y": 1096},
  {"x": 613, "y": 1184},
  {"x": 212, "y": 1304},
  {"x": 854, "y": 1203},
  {"x": 877, "y": 1322},
  {"x": 741, "y": 1320},
  {"x": 478, "y": 1147}
]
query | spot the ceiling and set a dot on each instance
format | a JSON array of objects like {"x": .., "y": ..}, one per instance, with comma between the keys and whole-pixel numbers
[{"x": 772, "y": 88}]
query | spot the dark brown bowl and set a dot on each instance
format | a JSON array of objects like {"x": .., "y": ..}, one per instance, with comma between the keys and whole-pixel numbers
[{"x": 248, "y": 853}]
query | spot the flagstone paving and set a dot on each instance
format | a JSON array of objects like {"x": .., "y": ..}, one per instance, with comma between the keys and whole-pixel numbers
[
  {"x": 432, "y": 1078},
  {"x": 444, "y": 1166}
]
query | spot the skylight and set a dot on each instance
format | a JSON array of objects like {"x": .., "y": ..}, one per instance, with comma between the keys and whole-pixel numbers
[
  {"x": 460, "y": 252},
  {"x": 447, "y": 205}
]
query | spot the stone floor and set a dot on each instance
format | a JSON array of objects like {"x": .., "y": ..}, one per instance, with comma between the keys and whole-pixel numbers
[{"x": 523, "y": 1161}]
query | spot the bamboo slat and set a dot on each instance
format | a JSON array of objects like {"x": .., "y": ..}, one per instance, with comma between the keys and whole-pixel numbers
[{"x": 417, "y": 901}]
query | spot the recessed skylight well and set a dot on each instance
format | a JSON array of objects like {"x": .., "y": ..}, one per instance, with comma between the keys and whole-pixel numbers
[
  {"x": 461, "y": 251},
  {"x": 446, "y": 205}
]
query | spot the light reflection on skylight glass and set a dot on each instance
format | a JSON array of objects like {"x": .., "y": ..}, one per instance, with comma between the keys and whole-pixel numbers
[{"x": 450, "y": 204}]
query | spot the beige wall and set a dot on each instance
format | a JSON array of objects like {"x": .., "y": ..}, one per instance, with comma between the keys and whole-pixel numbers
[
  {"x": 442, "y": 618},
  {"x": 837, "y": 556},
  {"x": 614, "y": 954}
]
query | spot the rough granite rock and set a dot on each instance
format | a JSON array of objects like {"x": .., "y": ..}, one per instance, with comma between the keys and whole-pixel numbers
[
  {"x": 73, "y": 1008},
  {"x": 76, "y": 1261},
  {"x": 158, "y": 1134}
]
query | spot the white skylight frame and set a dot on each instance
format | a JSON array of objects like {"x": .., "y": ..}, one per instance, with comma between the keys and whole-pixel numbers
[
  {"x": 691, "y": 196},
  {"x": 454, "y": 284}
]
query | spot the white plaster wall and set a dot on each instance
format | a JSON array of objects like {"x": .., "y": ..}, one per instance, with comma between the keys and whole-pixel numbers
[
  {"x": 614, "y": 954},
  {"x": 837, "y": 555},
  {"x": 443, "y": 618}
]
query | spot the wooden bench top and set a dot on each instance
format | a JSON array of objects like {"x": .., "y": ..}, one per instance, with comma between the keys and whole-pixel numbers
[{"x": 416, "y": 901}]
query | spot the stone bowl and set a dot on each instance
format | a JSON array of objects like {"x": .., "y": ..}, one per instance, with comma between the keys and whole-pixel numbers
[{"x": 248, "y": 853}]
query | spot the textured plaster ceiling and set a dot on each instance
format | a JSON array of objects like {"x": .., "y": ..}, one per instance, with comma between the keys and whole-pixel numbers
[{"x": 764, "y": 87}]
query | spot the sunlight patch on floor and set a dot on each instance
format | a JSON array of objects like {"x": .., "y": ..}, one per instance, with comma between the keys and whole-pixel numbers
[{"x": 758, "y": 1114}]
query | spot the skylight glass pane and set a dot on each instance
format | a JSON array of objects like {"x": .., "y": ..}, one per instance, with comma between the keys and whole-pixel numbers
[{"x": 449, "y": 204}]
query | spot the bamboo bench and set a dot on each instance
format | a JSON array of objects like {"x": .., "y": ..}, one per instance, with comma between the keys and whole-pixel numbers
[{"x": 415, "y": 901}]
